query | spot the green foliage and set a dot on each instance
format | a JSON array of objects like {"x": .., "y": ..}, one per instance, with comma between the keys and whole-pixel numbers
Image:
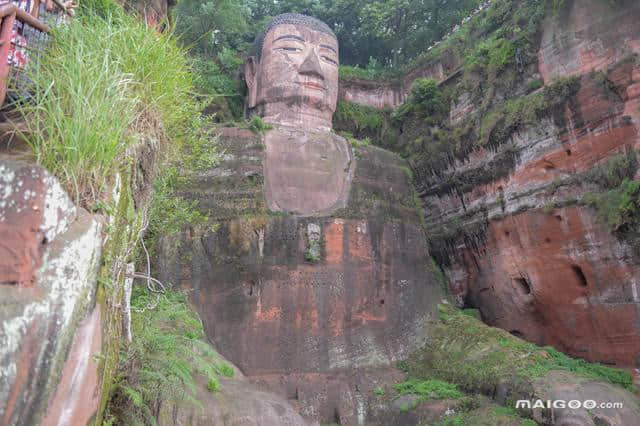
[
  {"x": 213, "y": 385},
  {"x": 426, "y": 100},
  {"x": 619, "y": 208},
  {"x": 389, "y": 31},
  {"x": 169, "y": 212},
  {"x": 493, "y": 55},
  {"x": 358, "y": 117},
  {"x": 168, "y": 351},
  {"x": 102, "y": 8},
  {"x": 498, "y": 125},
  {"x": 208, "y": 27},
  {"x": 492, "y": 415},
  {"x": 428, "y": 389},
  {"x": 618, "y": 205},
  {"x": 379, "y": 391},
  {"x": 612, "y": 174},
  {"x": 225, "y": 369},
  {"x": 258, "y": 126},
  {"x": 104, "y": 100},
  {"x": 534, "y": 85},
  {"x": 347, "y": 72},
  {"x": 559, "y": 361},
  {"x": 426, "y": 96},
  {"x": 476, "y": 357},
  {"x": 442, "y": 279}
]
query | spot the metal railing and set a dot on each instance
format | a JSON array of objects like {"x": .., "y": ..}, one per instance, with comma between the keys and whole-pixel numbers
[{"x": 24, "y": 34}]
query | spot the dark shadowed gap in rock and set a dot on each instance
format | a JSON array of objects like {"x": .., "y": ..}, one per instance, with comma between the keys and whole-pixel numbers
[
  {"x": 568, "y": 151},
  {"x": 577, "y": 271},
  {"x": 523, "y": 285},
  {"x": 336, "y": 417},
  {"x": 382, "y": 301},
  {"x": 517, "y": 333},
  {"x": 559, "y": 218}
]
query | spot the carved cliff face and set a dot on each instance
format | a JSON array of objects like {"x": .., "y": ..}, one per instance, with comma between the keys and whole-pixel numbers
[{"x": 295, "y": 82}]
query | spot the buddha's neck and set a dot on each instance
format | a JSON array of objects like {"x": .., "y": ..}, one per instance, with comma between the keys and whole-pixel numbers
[{"x": 291, "y": 116}]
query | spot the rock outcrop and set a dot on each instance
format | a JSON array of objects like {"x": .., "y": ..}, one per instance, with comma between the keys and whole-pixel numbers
[
  {"x": 49, "y": 258},
  {"x": 542, "y": 265},
  {"x": 512, "y": 217}
]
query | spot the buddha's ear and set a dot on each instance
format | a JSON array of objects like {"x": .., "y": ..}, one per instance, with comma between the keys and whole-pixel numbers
[{"x": 251, "y": 77}]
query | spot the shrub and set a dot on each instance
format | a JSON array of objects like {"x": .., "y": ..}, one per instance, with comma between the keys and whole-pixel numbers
[
  {"x": 258, "y": 126},
  {"x": 619, "y": 208},
  {"x": 168, "y": 350}
]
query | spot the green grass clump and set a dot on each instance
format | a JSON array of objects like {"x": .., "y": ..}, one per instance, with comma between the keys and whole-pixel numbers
[
  {"x": 106, "y": 84},
  {"x": 213, "y": 385},
  {"x": 258, "y": 126},
  {"x": 379, "y": 391},
  {"x": 428, "y": 389}
]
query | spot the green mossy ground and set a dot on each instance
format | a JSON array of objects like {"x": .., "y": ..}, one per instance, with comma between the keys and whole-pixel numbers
[
  {"x": 465, "y": 361},
  {"x": 465, "y": 351}
]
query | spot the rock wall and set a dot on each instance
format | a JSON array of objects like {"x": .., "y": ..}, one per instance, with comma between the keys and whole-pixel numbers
[
  {"x": 393, "y": 92},
  {"x": 50, "y": 252},
  {"x": 545, "y": 267},
  {"x": 302, "y": 303},
  {"x": 510, "y": 222}
]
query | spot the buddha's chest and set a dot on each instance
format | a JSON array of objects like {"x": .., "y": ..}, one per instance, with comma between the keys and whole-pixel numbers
[{"x": 306, "y": 173}]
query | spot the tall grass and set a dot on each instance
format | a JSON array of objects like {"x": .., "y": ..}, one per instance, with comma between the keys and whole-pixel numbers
[{"x": 106, "y": 83}]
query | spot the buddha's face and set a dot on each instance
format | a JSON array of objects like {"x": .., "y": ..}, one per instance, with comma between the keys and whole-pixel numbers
[{"x": 296, "y": 80}]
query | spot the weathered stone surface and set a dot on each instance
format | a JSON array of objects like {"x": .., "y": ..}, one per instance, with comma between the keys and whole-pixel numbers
[
  {"x": 589, "y": 35},
  {"x": 77, "y": 395},
  {"x": 292, "y": 73},
  {"x": 562, "y": 385},
  {"x": 59, "y": 248},
  {"x": 238, "y": 402},
  {"x": 307, "y": 173},
  {"x": 372, "y": 93},
  {"x": 393, "y": 92},
  {"x": 34, "y": 209},
  {"x": 287, "y": 317},
  {"x": 552, "y": 274},
  {"x": 558, "y": 278}
]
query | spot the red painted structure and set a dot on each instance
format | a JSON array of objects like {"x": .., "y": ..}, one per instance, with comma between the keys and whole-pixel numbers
[{"x": 10, "y": 14}]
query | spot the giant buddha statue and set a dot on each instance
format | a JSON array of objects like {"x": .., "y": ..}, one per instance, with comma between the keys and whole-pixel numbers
[{"x": 313, "y": 276}]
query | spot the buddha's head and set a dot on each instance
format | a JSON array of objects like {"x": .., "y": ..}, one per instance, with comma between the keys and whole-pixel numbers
[{"x": 292, "y": 72}]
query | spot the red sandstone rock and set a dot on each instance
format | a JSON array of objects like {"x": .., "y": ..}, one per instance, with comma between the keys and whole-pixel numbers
[
  {"x": 49, "y": 253},
  {"x": 561, "y": 277},
  {"x": 77, "y": 395},
  {"x": 293, "y": 320}
]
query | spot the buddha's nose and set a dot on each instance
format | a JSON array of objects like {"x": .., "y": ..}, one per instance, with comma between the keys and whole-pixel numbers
[{"x": 311, "y": 65}]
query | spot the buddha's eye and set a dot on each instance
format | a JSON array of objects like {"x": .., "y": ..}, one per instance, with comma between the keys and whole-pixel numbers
[
  {"x": 289, "y": 49},
  {"x": 331, "y": 61}
]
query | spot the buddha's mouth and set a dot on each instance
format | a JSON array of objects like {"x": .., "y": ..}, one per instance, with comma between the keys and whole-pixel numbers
[{"x": 314, "y": 86}]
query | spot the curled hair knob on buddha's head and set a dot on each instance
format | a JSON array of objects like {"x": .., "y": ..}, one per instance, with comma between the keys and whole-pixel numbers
[{"x": 292, "y": 72}]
